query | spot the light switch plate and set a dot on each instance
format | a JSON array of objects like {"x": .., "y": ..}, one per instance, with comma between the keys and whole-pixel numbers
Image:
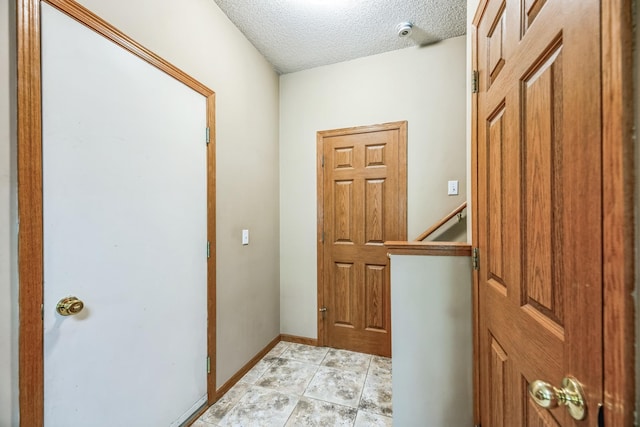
[
  {"x": 245, "y": 237},
  {"x": 452, "y": 188}
]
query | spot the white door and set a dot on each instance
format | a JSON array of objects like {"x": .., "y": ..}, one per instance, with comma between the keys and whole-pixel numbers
[{"x": 124, "y": 207}]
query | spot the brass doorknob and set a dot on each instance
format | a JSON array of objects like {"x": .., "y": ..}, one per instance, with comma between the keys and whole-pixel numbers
[
  {"x": 69, "y": 306},
  {"x": 570, "y": 395}
]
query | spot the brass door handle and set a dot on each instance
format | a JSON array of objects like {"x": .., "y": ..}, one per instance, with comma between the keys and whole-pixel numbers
[
  {"x": 69, "y": 306},
  {"x": 570, "y": 395}
]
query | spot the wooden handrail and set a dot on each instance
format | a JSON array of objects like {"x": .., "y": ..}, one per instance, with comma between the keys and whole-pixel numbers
[
  {"x": 440, "y": 223},
  {"x": 428, "y": 248}
]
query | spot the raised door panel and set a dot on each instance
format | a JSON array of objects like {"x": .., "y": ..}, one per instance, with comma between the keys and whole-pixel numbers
[
  {"x": 495, "y": 206},
  {"x": 531, "y": 9},
  {"x": 376, "y": 297},
  {"x": 495, "y": 40},
  {"x": 499, "y": 389},
  {"x": 542, "y": 205},
  {"x": 374, "y": 212},
  {"x": 344, "y": 211},
  {"x": 343, "y": 294}
]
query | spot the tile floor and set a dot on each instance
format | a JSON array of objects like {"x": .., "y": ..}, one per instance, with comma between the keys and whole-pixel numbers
[{"x": 301, "y": 385}]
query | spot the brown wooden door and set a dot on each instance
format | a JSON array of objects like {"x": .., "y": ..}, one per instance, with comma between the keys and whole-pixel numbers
[
  {"x": 539, "y": 206},
  {"x": 362, "y": 204}
]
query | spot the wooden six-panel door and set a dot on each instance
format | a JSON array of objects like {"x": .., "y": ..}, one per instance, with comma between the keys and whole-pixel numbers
[
  {"x": 539, "y": 206},
  {"x": 363, "y": 204}
]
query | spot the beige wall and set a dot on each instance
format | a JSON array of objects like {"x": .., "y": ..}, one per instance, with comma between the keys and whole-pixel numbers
[
  {"x": 197, "y": 37},
  {"x": 425, "y": 86},
  {"x": 434, "y": 292}
]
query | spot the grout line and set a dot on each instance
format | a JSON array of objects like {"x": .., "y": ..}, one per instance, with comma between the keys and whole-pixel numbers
[{"x": 366, "y": 376}]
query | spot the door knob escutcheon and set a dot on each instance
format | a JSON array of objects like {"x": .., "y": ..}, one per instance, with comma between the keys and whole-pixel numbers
[
  {"x": 69, "y": 306},
  {"x": 570, "y": 395}
]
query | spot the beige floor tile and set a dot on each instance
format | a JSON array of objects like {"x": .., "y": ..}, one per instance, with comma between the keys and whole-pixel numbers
[
  {"x": 223, "y": 406},
  {"x": 305, "y": 353},
  {"x": 317, "y": 413},
  {"x": 336, "y": 386},
  {"x": 287, "y": 376},
  {"x": 366, "y": 419},
  {"x": 347, "y": 360},
  {"x": 376, "y": 395},
  {"x": 261, "y": 407}
]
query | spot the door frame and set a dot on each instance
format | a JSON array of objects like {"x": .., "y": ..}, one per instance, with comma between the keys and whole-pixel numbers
[
  {"x": 402, "y": 185},
  {"x": 617, "y": 216},
  {"x": 30, "y": 236}
]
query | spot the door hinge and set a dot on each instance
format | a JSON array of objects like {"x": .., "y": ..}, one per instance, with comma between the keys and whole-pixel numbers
[
  {"x": 208, "y": 365},
  {"x": 323, "y": 160},
  {"x": 475, "y": 259},
  {"x": 323, "y": 310},
  {"x": 41, "y": 311},
  {"x": 208, "y": 249},
  {"x": 208, "y": 135},
  {"x": 475, "y": 81}
]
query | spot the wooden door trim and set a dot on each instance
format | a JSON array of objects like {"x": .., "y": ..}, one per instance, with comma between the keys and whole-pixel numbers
[
  {"x": 30, "y": 236},
  {"x": 320, "y": 237},
  {"x": 618, "y": 218},
  {"x": 402, "y": 186},
  {"x": 618, "y": 211},
  {"x": 30, "y": 248},
  {"x": 475, "y": 297}
]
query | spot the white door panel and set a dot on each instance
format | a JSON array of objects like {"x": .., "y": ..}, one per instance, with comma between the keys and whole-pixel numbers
[{"x": 124, "y": 200}]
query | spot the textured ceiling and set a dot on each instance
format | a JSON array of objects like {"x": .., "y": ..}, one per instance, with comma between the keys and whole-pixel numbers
[{"x": 296, "y": 35}]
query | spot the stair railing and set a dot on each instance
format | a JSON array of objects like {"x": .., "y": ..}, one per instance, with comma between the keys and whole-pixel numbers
[{"x": 443, "y": 221}]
